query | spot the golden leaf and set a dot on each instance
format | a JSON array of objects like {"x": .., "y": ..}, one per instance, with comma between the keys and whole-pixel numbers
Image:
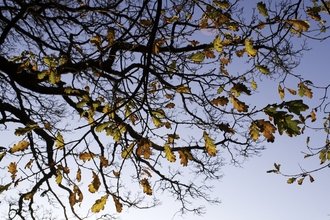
[
  {"x": 254, "y": 84},
  {"x": 209, "y": 53},
  {"x": 59, "y": 141},
  {"x": 249, "y": 48},
  {"x": 146, "y": 186},
  {"x": 96, "y": 41},
  {"x": 281, "y": 91},
  {"x": 169, "y": 153},
  {"x": 184, "y": 156},
  {"x": 84, "y": 156},
  {"x": 95, "y": 184},
  {"x": 170, "y": 105},
  {"x": 209, "y": 145},
  {"x": 238, "y": 105},
  {"x": 300, "y": 25},
  {"x": 221, "y": 100},
  {"x": 183, "y": 89},
  {"x": 78, "y": 175},
  {"x": 29, "y": 196},
  {"x": 59, "y": 177},
  {"x": 119, "y": 206},
  {"x": 21, "y": 146},
  {"x": 292, "y": 91},
  {"x": 99, "y": 204},
  {"x": 110, "y": 36},
  {"x": 128, "y": 151},
  {"x": 267, "y": 129},
  {"x": 104, "y": 161},
  {"x": 313, "y": 116},
  {"x": 12, "y": 169},
  {"x": 116, "y": 174}
]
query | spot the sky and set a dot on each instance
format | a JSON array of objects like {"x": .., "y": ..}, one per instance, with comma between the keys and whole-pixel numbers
[{"x": 248, "y": 192}]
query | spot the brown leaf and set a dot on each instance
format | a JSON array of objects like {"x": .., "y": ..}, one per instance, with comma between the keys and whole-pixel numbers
[
  {"x": 12, "y": 169},
  {"x": 119, "y": 206},
  {"x": 21, "y": 146},
  {"x": 144, "y": 147},
  {"x": 78, "y": 175},
  {"x": 104, "y": 161},
  {"x": 146, "y": 186},
  {"x": 95, "y": 184},
  {"x": 84, "y": 156},
  {"x": 221, "y": 100}
]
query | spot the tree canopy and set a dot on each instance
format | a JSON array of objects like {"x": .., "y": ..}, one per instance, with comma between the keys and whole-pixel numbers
[{"x": 119, "y": 100}]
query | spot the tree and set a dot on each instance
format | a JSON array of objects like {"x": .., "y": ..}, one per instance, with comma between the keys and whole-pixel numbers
[{"x": 102, "y": 93}]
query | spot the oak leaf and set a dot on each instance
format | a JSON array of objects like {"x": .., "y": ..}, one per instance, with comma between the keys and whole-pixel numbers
[
  {"x": 21, "y": 146},
  {"x": 12, "y": 169},
  {"x": 209, "y": 145},
  {"x": 146, "y": 186},
  {"x": 119, "y": 206},
  {"x": 95, "y": 184},
  {"x": 185, "y": 155},
  {"x": 170, "y": 156},
  {"x": 99, "y": 204},
  {"x": 86, "y": 156}
]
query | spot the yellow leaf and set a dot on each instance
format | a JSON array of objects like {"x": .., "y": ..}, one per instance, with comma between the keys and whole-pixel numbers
[
  {"x": 104, "y": 161},
  {"x": 146, "y": 186},
  {"x": 209, "y": 145},
  {"x": 99, "y": 204},
  {"x": 59, "y": 177},
  {"x": 300, "y": 25},
  {"x": 281, "y": 91},
  {"x": 249, "y": 48},
  {"x": 157, "y": 122},
  {"x": 21, "y": 146},
  {"x": 78, "y": 175},
  {"x": 95, "y": 184},
  {"x": 171, "y": 20},
  {"x": 12, "y": 169},
  {"x": 84, "y": 156},
  {"x": 217, "y": 43},
  {"x": 119, "y": 206},
  {"x": 96, "y": 41},
  {"x": 59, "y": 141},
  {"x": 254, "y": 84},
  {"x": 169, "y": 153},
  {"x": 184, "y": 157},
  {"x": 128, "y": 151}
]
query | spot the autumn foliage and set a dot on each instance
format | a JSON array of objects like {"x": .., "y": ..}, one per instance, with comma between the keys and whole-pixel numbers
[{"x": 117, "y": 100}]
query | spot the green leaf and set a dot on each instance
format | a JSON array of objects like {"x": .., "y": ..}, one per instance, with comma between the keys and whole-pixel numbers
[
  {"x": 52, "y": 76},
  {"x": 157, "y": 122},
  {"x": 197, "y": 57},
  {"x": 291, "y": 126},
  {"x": 4, "y": 187},
  {"x": 262, "y": 9},
  {"x": 296, "y": 106},
  {"x": 102, "y": 126},
  {"x": 158, "y": 112},
  {"x": 263, "y": 69}
]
